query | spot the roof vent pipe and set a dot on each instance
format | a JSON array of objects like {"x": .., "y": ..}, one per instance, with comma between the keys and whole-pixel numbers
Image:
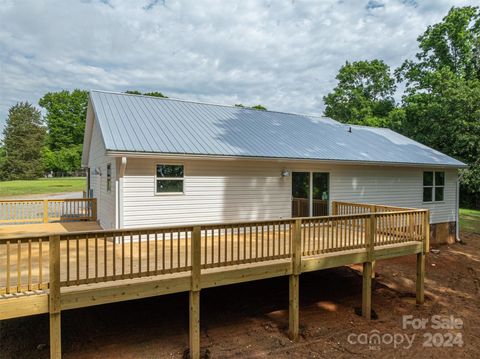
[{"x": 350, "y": 129}]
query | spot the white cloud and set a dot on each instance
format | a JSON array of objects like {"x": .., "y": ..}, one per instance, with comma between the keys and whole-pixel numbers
[{"x": 282, "y": 54}]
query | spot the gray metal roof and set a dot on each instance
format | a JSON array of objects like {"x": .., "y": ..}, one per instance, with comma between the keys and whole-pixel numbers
[{"x": 134, "y": 123}]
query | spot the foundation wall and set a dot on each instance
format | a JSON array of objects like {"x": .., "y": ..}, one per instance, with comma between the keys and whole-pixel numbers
[{"x": 443, "y": 233}]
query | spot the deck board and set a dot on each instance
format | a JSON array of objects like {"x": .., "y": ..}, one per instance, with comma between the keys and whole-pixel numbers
[{"x": 39, "y": 229}]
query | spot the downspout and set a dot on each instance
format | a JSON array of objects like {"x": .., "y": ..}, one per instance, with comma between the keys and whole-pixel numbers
[
  {"x": 121, "y": 174},
  {"x": 457, "y": 200},
  {"x": 89, "y": 185}
]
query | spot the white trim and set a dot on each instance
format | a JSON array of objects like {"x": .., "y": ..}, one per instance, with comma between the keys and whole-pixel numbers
[
  {"x": 434, "y": 187},
  {"x": 176, "y": 156},
  {"x": 108, "y": 177},
  {"x": 169, "y": 179},
  {"x": 120, "y": 180},
  {"x": 118, "y": 204},
  {"x": 87, "y": 136},
  {"x": 310, "y": 192}
]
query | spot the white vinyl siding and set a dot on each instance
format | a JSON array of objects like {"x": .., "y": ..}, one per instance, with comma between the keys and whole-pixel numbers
[
  {"x": 213, "y": 192},
  {"x": 242, "y": 190},
  {"x": 105, "y": 199},
  {"x": 397, "y": 186}
]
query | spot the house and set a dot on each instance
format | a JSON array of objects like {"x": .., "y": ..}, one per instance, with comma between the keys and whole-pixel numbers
[{"x": 156, "y": 161}]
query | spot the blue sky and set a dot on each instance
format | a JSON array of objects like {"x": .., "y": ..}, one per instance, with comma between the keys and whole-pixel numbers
[{"x": 282, "y": 54}]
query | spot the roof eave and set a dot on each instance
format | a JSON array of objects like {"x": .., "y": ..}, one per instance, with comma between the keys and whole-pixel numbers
[{"x": 116, "y": 153}]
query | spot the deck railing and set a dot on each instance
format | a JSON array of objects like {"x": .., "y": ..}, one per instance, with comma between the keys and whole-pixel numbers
[
  {"x": 359, "y": 208},
  {"x": 301, "y": 207},
  {"x": 101, "y": 256},
  {"x": 47, "y": 210}
]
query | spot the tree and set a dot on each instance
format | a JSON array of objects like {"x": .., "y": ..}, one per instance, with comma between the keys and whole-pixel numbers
[
  {"x": 442, "y": 99},
  {"x": 256, "y": 107},
  {"x": 2, "y": 157},
  {"x": 363, "y": 95},
  {"x": 64, "y": 161},
  {"x": 453, "y": 44},
  {"x": 66, "y": 113},
  {"x": 24, "y": 136},
  {"x": 154, "y": 93},
  {"x": 65, "y": 117}
]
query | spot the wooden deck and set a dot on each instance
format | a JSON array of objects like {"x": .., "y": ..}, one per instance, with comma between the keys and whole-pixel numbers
[
  {"x": 42, "y": 229},
  {"x": 47, "y": 272},
  {"x": 18, "y": 211}
]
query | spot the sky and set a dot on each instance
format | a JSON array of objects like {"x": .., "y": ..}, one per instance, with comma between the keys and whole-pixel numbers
[{"x": 283, "y": 54}]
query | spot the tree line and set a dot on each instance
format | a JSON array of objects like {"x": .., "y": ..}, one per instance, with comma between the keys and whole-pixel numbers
[
  {"x": 440, "y": 103},
  {"x": 35, "y": 145},
  {"x": 439, "y": 106}
]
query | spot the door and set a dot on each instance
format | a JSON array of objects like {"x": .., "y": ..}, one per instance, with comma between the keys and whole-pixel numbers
[
  {"x": 310, "y": 194},
  {"x": 300, "y": 194},
  {"x": 320, "y": 195}
]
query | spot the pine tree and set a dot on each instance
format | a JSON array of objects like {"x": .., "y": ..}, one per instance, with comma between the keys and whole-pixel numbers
[{"x": 24, "y": 138}]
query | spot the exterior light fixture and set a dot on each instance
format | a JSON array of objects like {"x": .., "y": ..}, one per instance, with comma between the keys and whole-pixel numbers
[{"x": 285, "y": 173}]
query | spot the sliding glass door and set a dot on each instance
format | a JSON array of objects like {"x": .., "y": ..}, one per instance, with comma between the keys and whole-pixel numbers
[
  {"x": 320, "y": 195},
  {"x": 300, "y": 194},
  {"x": 310, "y": 194}
]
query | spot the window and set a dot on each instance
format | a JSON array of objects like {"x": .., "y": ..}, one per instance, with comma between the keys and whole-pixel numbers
[
  {"x": 169, "y": 179},
  {"x": 433, "y": 186},
  {"x": 109, "y": 177}
]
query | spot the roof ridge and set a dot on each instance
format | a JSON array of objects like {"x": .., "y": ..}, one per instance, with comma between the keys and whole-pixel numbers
[{"x": 215, "y": 104}]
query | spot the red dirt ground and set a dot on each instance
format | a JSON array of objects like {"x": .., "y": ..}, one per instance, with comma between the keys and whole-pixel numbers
[{"x": 250, "y": 320}]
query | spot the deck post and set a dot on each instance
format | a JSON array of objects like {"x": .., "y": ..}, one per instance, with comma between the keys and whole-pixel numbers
[
  {"x": 334, "y": 208},
  {"x": 194, "y": 299},
  {"x": 427, "y": 232},
  {"x": 94, "y": 209},
  {"x": 420, "y": 278},
  {"x": 368, "y": 272},
  {"x": 293, "y": 306},
  {"x": 294, "y": 282},
  {"x": 45, "y": 211},
  {"x": 367, "y": 290},
  {"x": 54, "y": 298},
  {"x": 373, "y": 209}
]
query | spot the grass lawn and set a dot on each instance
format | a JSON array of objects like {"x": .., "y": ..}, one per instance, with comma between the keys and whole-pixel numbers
[
  {"x": 470, "y": 220},
  {"x": 44, "y": 185}
]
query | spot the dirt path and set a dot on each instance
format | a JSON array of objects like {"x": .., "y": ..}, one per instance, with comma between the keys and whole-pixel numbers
[{"x": 250, "y": 320}]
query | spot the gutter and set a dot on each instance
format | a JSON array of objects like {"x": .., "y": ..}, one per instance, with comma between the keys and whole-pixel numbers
[
  {"x": 121, "y": 174},
  {"x": 457, "y": 200},
  {"x": 158, "y": 155}
]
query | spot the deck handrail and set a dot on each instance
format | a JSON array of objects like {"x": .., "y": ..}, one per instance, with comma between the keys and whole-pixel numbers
[
  {"x": 23, "y": 211},
  {"x": 213, "y": 224},
  {"x": 109, "y": 255},
  {"x": 344, "y": 207}
]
